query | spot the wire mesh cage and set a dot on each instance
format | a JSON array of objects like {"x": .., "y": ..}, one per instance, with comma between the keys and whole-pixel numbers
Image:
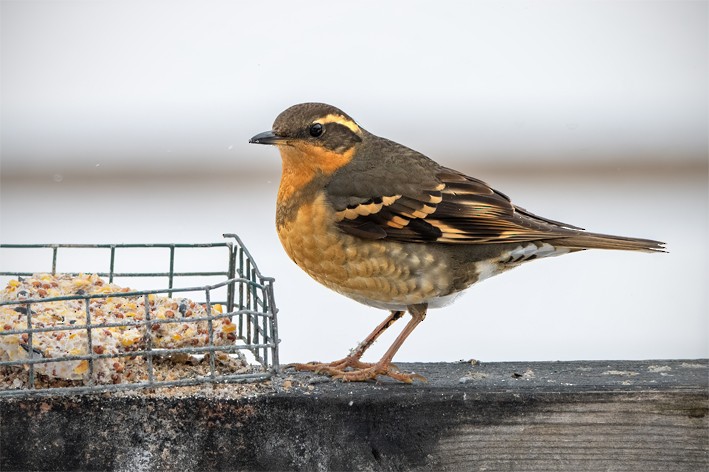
[{"x": 70, "y": 331}]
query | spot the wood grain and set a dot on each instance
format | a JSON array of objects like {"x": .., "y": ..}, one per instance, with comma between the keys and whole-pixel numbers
[{"x": 551, "y": 416}]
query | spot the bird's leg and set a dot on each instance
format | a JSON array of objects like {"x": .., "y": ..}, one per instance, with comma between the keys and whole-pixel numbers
[
  {"x": 353, "y": 359},
  {"x": 384, "y": 366}
]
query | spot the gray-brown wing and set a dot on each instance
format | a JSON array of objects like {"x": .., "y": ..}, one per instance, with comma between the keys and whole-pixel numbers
[{"x": 438, "y": 205}]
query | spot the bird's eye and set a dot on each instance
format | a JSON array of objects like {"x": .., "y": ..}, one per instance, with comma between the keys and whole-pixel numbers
[{"x": 316, "y": 130}]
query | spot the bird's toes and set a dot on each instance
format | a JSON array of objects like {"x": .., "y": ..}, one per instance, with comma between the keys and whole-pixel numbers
[
  {"x": 371, "y": 373},
  {"x": 351, "y": 369},
  {"x": 336, "y": 366}
]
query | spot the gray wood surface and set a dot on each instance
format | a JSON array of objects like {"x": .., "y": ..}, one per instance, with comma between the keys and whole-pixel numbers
[{"x": 576, "y": 416}]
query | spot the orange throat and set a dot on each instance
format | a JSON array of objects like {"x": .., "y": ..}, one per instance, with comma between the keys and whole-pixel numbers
[{"x": 302, "y": 163}]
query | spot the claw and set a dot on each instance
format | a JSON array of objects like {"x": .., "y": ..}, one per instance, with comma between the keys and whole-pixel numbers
[
  {"x": 352, "y": 369},
  {"x": 332, "y": 368},
  {"x": 372, "y": 372}
]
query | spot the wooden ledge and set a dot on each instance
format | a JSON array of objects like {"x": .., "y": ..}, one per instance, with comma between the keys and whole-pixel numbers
[{"x": 597, "y": 415}]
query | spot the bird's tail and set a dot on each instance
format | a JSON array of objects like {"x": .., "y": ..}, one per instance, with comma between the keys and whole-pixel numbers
[{"x": 583, "y": 240}]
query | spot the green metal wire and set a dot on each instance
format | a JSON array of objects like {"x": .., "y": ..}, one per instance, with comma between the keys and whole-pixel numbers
[{"x": 250, "y": 303}]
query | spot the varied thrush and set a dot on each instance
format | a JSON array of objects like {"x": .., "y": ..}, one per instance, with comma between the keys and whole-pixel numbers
[{"x": 389, "y": 227}]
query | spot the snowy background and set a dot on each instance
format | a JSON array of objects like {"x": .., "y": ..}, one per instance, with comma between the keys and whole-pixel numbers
[{"x": 129, "y": 121}]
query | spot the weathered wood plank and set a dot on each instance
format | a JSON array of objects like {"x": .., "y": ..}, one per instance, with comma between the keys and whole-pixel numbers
[{"x": 609, "y": 415}]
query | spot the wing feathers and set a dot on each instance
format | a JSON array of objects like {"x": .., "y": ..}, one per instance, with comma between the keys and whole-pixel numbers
[{"x": 462, "y": 210}]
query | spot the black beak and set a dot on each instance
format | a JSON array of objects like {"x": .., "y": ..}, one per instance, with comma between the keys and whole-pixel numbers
[{"x": 266, "y": 137}]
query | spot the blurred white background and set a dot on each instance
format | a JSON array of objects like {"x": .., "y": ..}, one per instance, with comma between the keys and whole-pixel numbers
[{"x": 128, "y": 121}]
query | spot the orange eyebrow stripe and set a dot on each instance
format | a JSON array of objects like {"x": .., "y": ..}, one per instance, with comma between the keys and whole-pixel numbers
[{"x": 346, "y": 122}]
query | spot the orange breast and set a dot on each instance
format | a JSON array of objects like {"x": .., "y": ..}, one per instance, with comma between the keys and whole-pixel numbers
[{"x": 378, "y": 273}]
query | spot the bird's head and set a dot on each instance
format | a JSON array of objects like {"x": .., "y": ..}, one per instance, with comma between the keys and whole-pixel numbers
[{"x": 316, "y": 129}]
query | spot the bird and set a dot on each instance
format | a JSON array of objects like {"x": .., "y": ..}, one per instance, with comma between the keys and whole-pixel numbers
[{"x": 393, "y": 229}]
